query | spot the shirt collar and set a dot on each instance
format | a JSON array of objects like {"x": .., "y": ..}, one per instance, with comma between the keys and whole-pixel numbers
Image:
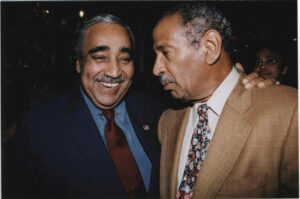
[
  {"x": 119, "y": 110},
  {"x": 217, "y": 101}
]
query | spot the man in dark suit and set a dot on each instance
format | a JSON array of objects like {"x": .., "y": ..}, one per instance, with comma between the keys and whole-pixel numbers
[{"x": 71, "y": 148}]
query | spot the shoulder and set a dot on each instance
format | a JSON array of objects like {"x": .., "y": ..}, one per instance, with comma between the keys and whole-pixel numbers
[
  {"x": 275, "y": 89},
  {"x": 143, "y": 100},
  {"x": 143, "y": 97},
  {"x": 50, "y": 110},
  {"x": 171, "y": 115},
  {"x": 45, "y": 120},
  {"x": 272, "y": 106},
  {"x": 276, "y": 95}
]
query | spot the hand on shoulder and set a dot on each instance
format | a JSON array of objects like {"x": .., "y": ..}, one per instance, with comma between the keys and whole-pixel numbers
[{"x": 253, "y": 79}]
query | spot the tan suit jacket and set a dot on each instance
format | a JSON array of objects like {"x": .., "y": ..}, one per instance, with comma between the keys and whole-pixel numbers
[{"x": 254, "y": 150}]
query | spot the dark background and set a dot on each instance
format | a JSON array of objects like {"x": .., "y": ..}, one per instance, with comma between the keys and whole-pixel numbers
[{"x": 37, "y": 40}]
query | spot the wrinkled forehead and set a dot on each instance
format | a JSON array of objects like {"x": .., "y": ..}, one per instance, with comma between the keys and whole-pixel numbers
[
  {"x": 107, "y": 34},
  {"x": 168, "y": 22},
  {"x": 103, "y": 29},
  {"x": 168, "y": 30}
]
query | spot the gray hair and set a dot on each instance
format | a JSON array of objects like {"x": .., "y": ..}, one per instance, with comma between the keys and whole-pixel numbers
[
  {"x": 108, "y": 18},
  {"x": 199, "y": 18}
]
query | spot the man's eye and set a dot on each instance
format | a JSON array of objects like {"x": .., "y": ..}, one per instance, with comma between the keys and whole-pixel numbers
[
  {"x": 165, "y": 53},
  {"x": 98, "y": 57},
  {"x": 125, "y": 59}
]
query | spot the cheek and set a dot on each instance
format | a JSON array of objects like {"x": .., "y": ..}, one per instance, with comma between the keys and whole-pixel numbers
[
  {"x": 92, "y": 69},
  {"x": 182, "y": 78},
  {"x": 176, "y": 73},
  {"x": 197, "y": 76},
  {"x": 128, "y": 70},
  {"x": 179, "y": 71}
]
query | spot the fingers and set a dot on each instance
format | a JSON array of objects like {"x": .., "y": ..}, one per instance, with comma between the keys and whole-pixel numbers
[
  {"x": 239, "y": 67},
  {"x": 259, "y": 82},
  {"x": 253, "y": 79},
  {"x": 268, "y": 82},
  {"x": 249, "y": 78}
]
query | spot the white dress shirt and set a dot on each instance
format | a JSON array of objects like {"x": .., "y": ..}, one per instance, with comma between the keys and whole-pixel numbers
[{"x": 215, "y": 106}]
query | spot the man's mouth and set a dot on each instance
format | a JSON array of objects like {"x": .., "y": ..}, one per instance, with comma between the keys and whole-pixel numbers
[
  {"x": 165, "y": 81},
  {"x": 167, "y": 85},
  {"x": 109, "y": 85},
  {"x": 109, "y": 82}
]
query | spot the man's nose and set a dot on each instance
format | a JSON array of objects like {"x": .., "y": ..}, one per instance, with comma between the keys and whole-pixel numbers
[
  {"x": 113, "y": 69},
  {"x": 158, "y": 67}
]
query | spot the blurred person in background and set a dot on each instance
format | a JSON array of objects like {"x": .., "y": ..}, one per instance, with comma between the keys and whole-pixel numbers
[{"x": 270, "y": 64}]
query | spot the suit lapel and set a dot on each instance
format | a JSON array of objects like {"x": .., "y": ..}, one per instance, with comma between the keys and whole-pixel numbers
[
  {"x": 87, "y": 140},
  {"x": 175, "y": 145},
  {"x": 146, "y": 131},
  {"x": 138, "y": 119},
  {"x": 230, "y": 136}
]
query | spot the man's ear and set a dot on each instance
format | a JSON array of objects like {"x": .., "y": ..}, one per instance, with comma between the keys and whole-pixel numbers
[
  {"x": 213, "y": 43},
  {"x": 78, "y": 68}
]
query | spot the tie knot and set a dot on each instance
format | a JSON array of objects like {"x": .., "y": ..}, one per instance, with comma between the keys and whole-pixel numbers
[
  {"x": 202, "y": 109},
  {"x": 108, "y": 114}
]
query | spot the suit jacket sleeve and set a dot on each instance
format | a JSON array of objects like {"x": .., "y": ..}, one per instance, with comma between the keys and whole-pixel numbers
[
  {"x": 18, "y": 177},
  {"x": 162, "y": 139},
  {"x": 289, "y": 167}
]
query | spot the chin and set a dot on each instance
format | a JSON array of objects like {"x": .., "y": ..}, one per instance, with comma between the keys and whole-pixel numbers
[
  {"x": 111, "y": 104},
  {"x": 106, "y": 103},
  {"x": 178, "y": 96},
  {"x": 174, "y": 94}
]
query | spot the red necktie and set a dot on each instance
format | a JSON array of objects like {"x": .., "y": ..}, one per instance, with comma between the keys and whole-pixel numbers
[{"x": 122, "y": 157}]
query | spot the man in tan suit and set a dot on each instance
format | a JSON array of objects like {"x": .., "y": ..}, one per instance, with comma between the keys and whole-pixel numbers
[{"x": 242, "y": 143}]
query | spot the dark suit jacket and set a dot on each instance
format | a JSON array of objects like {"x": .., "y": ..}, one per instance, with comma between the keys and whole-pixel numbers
[{"x": 58, "y": 152}]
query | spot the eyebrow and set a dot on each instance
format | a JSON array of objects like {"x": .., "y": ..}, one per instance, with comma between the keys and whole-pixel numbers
[
  {"x": 159, "y": 48},
  {"x": 126, "y": 50},
  {"x": 106, "y": 48},
  {"x": 163, "y": 46},
  {"x": 97, "y": 49}
]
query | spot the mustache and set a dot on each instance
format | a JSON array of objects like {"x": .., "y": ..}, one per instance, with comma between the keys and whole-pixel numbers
[
  {"x": 163, "y": 78},
  {"x": 109, "y": 79}
]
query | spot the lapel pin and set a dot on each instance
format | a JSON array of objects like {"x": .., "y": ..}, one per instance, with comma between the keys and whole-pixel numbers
[{"x": 146, "y": 127}]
